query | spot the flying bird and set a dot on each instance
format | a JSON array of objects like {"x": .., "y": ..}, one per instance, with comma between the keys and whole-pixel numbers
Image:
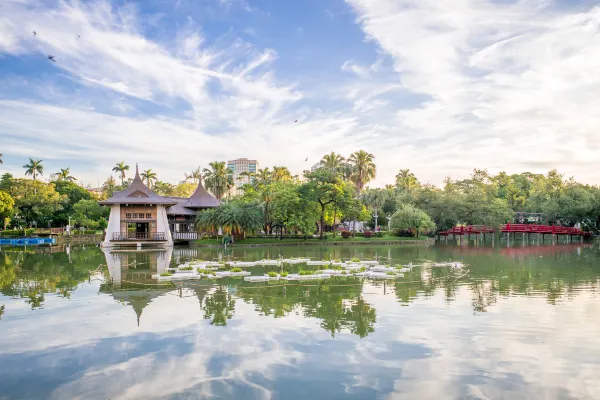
[
  {"x": 306, "y": 159},
  {"x": 34, "y": 33},
  {"x": 51, "y": 58},
  {"x": 295, "y": 121},
  {"x": 78, "y": 36}
]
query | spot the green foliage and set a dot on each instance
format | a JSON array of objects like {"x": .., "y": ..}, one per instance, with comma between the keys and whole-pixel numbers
[
  {"x": 209, "y": 272},
  {"x": 186, "y": 269},
  {"x": 6, "y": 204},
  {"x": 303, "y": 273},
  {"x": 218, "y": 179},
  {"x": 89, "y": 213},
  {"x": 234, "y": 217},
  {"x": 166, "y": 273},
  {"x": 284, "y": 273},
  {"x": 18, "y": 232},
  {"x": 237, "y": 269},
  {"x": 355, "y": 259},
  {"x": 35, "y": 201},
  {"x": 409, "y": 218},
  {"x": 363, "y": 168},
  {"x": 34, "y": 168},
  {"x": 272, "y": 274}
]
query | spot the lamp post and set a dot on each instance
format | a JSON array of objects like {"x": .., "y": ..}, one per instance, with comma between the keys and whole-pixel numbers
[
  {"x": 69, "y": 227},
  {"x": 375, "y": 216},
  {"x": 389, "y": 218}
]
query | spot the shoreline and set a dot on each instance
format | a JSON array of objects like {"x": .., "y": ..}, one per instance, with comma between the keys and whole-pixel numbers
[{"x": 317, "y": 243}]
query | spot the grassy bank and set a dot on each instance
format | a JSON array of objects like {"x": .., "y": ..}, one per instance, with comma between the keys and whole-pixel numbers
[{"x": 329, "y": 240}]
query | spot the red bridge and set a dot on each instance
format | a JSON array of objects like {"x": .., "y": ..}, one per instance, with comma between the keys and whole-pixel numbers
[{"x": 516, "y": 228}]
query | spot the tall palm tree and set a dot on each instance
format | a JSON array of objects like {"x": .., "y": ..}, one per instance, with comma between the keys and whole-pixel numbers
[
  {"x": 332, "y": 161},
  {"x": 218, "y": 178},
  {"x": 281, "y": 174},
  {"x": 363, "y": 168},
  {"x": 149, "y": 177},
  {"x": 406, "y": 179},
  {"x": 64, "y": 175},
  {"x": 194, "y": 176},
  {"x": 120, "y": 169},
  {"x": 34, "y": 168}
]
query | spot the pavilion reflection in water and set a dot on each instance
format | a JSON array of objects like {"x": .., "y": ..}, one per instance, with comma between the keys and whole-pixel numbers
[{"x": 130, "y": 277}]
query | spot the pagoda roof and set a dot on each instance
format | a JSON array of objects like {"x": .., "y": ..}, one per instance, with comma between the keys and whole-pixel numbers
[
  {"x": 137, "y": 193},
  {"x": 201, "y": 198}
]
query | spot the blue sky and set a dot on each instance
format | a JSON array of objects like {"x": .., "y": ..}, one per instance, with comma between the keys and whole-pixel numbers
[{"x": 438, "y": 87}]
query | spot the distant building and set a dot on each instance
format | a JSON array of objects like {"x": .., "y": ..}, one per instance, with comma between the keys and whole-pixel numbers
[
  {"x": 238, "y": 167},
  {"x": 316, "y": 166}
]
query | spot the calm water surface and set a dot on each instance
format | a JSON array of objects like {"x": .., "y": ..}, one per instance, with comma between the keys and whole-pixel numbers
[{"x": 519, "y": 323}]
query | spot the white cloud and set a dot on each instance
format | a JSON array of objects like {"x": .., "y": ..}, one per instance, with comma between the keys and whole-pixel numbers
[
  {"x": 522, "y": 72},
  {"x": 453, "y": 86}
]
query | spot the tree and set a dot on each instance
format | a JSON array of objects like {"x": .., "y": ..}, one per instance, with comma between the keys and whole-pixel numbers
[
  {"x": 281, "y": 174},
  {"x": 36, "y": 201},
  {"x": 233, "y": 217},
  {"x": 163, "y": 188},
  {"x": 108, "y": 187},
  {"x": 375, "y": 199},
  {"x": 34, "y": 168},
  {"x": 333, "y": 162},
  {"x": 406, "y": 180},
  {"x": 218, "y": 179},
  {"x": 363, "y": 168},
  {"x": 194, "y": 176},
  {"x": 90, "y": 214},
  {"x": 323, "y": 187},
  {"x": 120, "y": 169},
  {"x": 149, "y": 176},
  {"x": 6, "y": 205},
  {"x": 411, "y": 219},
  {"x": 64, "y": 175},
  {"x": 6, "y": 182}
]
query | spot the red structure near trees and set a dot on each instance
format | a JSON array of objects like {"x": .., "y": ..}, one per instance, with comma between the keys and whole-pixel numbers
[{"x": 515, "y": 228}]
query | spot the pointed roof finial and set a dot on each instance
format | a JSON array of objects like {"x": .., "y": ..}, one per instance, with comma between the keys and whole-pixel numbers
[{"x": 137, "y": 172}]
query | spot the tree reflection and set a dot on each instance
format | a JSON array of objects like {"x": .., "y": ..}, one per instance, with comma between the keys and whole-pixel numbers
[{"x": 219, "y": 307}]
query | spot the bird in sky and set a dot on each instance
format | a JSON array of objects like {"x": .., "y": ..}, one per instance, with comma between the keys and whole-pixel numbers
[
  {"x": 51, "y": 58},
  {"x": 306, "y": 159},
  {"x": 78, "y": 36},
  {"x": 295, "y": 121},
  {"x": 34, "y": 33}
]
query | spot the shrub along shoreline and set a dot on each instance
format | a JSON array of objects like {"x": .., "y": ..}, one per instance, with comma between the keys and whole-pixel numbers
[{"x": 356, "y": 241}]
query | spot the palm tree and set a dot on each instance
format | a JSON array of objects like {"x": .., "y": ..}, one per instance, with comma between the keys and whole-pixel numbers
[
  {"x": 149, "y": 177},
  {"x": 195, "y": 175},
  {"x": 333, "y": 162},
  {"x": 34, "y": 168},
  {"x": 375, "y": 198},
  {"x": 281, "y": 174},
  {"x": 406, "y": 179},
  {"x": 120, "y": 169},
  {"x": 218, "y": 178},
  {"x": 64, "y": 175},
  {"x": 363, "y": 168}
]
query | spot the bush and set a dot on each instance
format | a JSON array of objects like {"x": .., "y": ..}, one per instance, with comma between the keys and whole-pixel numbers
[
  {"x": 205, "y": 271},
  {"x": 166, "y": 273},
  {"x": 368, "y": 234},
  {"x": 236, "y": 269},
  {"x": 355, "y": 259},
  {"x": 345, "y": 234},
  {"x": 272, "y": 274},
  {"x": 284, "y": 273},
  {"x": 305, "y": 273},
  {"x": 378, "y": 234},
  {"x": 186, "y": 269},
  {"x": 17, "y": 232}
]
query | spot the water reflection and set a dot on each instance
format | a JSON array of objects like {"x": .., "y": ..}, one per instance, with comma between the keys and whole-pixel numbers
[{"x": 514, "y": 325}]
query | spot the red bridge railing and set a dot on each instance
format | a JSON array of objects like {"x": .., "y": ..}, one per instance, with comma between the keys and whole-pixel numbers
[{"x": 514, "y": 228}]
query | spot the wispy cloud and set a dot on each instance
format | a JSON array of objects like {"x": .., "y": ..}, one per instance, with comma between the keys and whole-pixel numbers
[{"x": 451, "y": 86}]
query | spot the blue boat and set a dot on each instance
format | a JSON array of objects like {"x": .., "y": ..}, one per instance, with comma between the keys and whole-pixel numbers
[{"x": 27, "y": 241}]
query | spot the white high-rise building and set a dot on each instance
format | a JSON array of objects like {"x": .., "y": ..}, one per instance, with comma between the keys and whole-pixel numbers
[{"x": 239, "y": 166}]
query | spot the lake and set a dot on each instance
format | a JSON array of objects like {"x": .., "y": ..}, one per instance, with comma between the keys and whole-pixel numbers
[{"x": 515, "y": 323}]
